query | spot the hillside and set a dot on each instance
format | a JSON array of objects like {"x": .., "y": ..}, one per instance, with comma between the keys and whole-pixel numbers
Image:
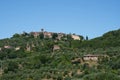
[
  {"x": 109, "y": 39},
  {"x": 58, "y": 56}
]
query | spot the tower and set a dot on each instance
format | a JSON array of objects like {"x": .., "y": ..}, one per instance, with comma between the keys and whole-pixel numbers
[{"x": 42, "y": 30}]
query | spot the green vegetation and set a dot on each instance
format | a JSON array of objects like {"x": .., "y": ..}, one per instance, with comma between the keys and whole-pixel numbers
[{"x": 30, "y": 57}]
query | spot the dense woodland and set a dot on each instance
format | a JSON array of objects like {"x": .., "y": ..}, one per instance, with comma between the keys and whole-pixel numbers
[{"x": 25, "y": 57}]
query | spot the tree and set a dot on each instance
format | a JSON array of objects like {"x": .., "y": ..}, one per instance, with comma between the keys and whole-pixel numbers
[
  {"x": 16, "y": 35},
  {"x": 25, "y": 34},
  {"x": 54, "y": 35},
  {"x": 41, "y": 36},
  {"x": 86, "y": 37},
  {"x": 12, "y": 66},
  {"x": 69, "y": 38}
]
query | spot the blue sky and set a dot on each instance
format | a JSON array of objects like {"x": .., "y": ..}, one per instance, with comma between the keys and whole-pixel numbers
[{"x": 83, "y": 17}]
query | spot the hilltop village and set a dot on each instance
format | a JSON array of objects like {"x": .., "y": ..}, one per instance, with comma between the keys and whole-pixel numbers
[
  {"x": 47, "y": 55},
  {"x": 43, "y": 35}
]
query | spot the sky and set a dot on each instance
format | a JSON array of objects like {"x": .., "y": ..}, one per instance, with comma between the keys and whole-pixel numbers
[{"x": 90, "y": 18}]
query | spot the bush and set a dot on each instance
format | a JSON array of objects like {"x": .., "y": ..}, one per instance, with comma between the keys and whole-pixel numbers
[
  {"x": 12, "y": 66},
  {"x": 101, "y": 76}
]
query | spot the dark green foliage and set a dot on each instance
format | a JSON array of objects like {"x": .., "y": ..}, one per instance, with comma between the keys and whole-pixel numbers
[
  {"x": 75, "y": 43},
  {"x": 69, "y": 38},
  {"x": 11, "y": 54},
  {"x": 54, "y": 35},
  {"x": 86, "y": 37},
  {"x": 67, "y": 78},
  {"x": 16, "y": 35},
  {"x": 41, "y": 36},
  {"x": 41, "y": 62},
  {"x": 102, "y": 76},
  {"x": 110, "y": 39},
  {"x": 12, "y": 66}
]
